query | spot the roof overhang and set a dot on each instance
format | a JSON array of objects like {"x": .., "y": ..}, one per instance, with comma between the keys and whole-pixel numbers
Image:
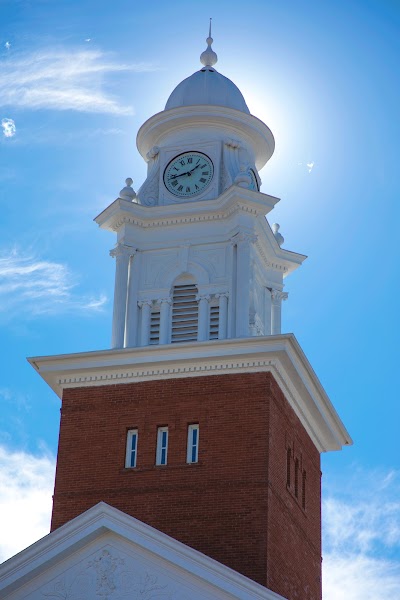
[
  {"x": 281, "y": 355},
  {"x": 233, "y": 201},
  {"x": 257, "y": 134}
]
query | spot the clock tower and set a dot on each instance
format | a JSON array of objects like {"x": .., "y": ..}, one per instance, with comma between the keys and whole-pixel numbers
[{"x": 203, "y": 420}]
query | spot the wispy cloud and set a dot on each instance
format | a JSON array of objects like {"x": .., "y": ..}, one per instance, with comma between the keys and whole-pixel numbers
[
  {"x": 309, "y": 166},
  {"x": 63, "y": 80},
  {"x": 362, "y": 539},
  {"x": 30, "y": 286},
  {"x": 26, "y": 486},
  {"x": 9, "y": 129}
]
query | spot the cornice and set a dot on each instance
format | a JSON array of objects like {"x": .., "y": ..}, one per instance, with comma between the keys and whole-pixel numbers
[
  {"x": 233, "y": 199},
  {"x": 160, "y": 125},
  {"x": 281, "y": 355}
]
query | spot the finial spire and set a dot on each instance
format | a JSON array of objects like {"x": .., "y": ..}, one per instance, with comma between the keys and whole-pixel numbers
[{"x": 208, "y": 58}]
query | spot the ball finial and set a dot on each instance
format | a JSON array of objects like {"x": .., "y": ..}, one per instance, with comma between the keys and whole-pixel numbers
[
  {"x": 278, "y": 236},
  {"x": 128, "y": 193},
  {"x": 208, "y": 58}
]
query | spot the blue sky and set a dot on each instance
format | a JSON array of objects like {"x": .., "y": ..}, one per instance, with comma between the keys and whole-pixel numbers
[{"x": 77, "y": 79}]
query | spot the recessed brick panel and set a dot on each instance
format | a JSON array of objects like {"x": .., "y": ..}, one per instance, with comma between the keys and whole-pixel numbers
[{"x": 233, "y": 505}]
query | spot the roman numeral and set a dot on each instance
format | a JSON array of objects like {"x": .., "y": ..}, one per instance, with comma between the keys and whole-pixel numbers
[
  {"x": 182, "y": 163},
  {"x": 176, "y": 169},
  {"x": 196, "y": 186},
  {"x": 187, "y": 188},
  {"x": 205, "y": 172},
  {"x": 203, "y": 180},
  {"x": 190, "y": 160},
  {"x": 174, "y": 183},
  {"x": 180, "y": 188}
]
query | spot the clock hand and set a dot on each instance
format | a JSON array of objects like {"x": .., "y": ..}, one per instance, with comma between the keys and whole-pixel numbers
[
  {"x": 181, "y": 174},
  {"x": 178, "y": 175}
]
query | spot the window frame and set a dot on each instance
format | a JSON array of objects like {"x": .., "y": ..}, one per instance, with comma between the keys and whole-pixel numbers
[
  {"x": 130, "y": 434},
  {"x": 191, "y": 445},
  {"x": 161, "y": 447}
]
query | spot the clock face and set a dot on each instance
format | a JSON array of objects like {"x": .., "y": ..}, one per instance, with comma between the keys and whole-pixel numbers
[
  {"x": 254, "y": 182},
  {"x": 188, "y": 174}
]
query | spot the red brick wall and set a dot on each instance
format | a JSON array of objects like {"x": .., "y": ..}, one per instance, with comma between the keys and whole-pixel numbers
[{"x": 233, "y": 505}]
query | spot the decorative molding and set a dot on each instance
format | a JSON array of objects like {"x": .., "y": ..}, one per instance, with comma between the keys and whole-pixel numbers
[
  {"x": 153, "y": 565},
  {"x": 122, "y": 250},
  {"x": 280, "y": 354},
  {"x": 244, "y": 237},
  {"x": 201, "y": 297},
  {"x": 107, "y": 577},
  {"x": 152, "y": 153},
  {"x": 149, "y": 192},
  {"x": 142, "y": 303},
  {"x": 152, "y": 373},
  {"x": 277, "y": 296}
]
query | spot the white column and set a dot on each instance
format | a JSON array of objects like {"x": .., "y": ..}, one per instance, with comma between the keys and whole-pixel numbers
[
  {"x": 276, "y": 310},
  {"x": 164, "y": 320},
  {"x": 223, "y": 316},
  {"x": 243, "y": 243},
  {"x": 202, "y": 327},
  {"x": 231, "y": 272},
  {"x": 132, "y": 321},
  {"x": 145, "y": 307},
  {"x": 122, "y": 254},
  {"x": 267, "y": 312}
]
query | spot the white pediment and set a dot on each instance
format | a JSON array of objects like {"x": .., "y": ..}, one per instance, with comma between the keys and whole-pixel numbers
[{"x": 108, "y": 555}]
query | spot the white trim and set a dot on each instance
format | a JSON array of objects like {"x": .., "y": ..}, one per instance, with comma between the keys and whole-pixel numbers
[
  {"x": 279, "y": 354},
  {"x": 162, "y": 449},
  {"x": 129, "y": 451},
  {"x": 103, "y": 518},
  {"x": 191, "y": 445}
]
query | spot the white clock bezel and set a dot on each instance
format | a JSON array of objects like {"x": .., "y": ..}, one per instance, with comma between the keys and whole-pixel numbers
[{"x": 177, "y": 158}]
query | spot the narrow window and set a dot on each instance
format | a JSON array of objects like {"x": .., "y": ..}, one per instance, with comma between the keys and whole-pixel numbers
[
  {"x": 296, "y": 478},
  {"x": 288, "y": 466},
  {"x": 214, "y": 322},
  {"x": 193, "y": 444},
  {"x": 162, "y": 446},
  {"x": 131, "y": 448},
  {"x": 303, "y": 490},
  {"x": 155, "y": 326}
]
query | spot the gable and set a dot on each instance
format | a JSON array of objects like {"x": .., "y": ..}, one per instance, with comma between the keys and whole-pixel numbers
[{"x": 105, "y": 554}]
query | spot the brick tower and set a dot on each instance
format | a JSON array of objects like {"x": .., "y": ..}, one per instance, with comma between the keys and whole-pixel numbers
[{"x": 203, "y": 420}]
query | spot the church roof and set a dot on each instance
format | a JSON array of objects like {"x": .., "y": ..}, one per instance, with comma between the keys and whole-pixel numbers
[{"x": 109, "y": 554}]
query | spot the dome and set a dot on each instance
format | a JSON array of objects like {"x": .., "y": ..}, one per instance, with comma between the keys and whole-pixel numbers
[{"x": 207, "y": 86}]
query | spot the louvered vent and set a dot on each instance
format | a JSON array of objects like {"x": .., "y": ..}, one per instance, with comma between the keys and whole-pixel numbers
[
  {"x": 155, "y": 327},
  {"x": 214, "y": 322},
  {"x": 184, "y": 313}
]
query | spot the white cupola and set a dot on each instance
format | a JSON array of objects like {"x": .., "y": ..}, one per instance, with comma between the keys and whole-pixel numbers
[{"x": 196, "y": 259}]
